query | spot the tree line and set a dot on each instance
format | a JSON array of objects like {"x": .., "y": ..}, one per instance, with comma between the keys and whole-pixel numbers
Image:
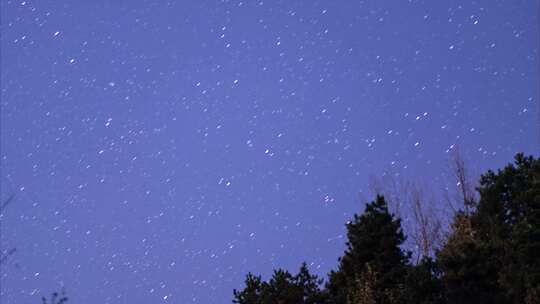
[{"x": 489, "y": 254}]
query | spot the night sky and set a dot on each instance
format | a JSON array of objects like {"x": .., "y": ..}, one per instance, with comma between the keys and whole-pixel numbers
[{"x": 158, "y": 151}]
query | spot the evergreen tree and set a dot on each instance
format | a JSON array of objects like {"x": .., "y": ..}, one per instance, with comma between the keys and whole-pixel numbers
[
  {"x": 364, "y": 288},
  {"x": 423, "y": 284},
  {"x": 468, "y": 272},
  {"x": 56, "y": 298},
  {"x": 310, "y": 285},
  {"x": 374, "y": 240},
  {"x": 492, "y": 254},
  {"x": 282, "y": 288},
  {"x": 251, "y": 293},
  {"x": 508, "y": 220},
  {"x": 336, "y": 287}
]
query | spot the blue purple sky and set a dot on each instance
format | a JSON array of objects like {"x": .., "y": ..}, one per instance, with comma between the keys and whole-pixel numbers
[{"x": 158, "y": 151}]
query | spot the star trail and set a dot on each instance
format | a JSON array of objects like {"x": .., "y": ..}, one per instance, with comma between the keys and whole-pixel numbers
[{"x": 158, "y": 151}]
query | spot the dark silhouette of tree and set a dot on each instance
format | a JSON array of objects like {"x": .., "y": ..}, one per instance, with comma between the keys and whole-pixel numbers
[
  {"x": 56, "y": 298},
  {"x": 508, "y": 220},
  {"x": 423, "y": 284},
  {"x": 491, "y": 254},
  {"x": 252, "y": 293},
  {"x": 363, "y": 289},
  {"x": 469, "y": 275},
  {"x": 282, "y": 288},
  {"x": 373, "y": 256}
]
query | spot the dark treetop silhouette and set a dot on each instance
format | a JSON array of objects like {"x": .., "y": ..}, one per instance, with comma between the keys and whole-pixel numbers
[{"x": 490, "y": 256}]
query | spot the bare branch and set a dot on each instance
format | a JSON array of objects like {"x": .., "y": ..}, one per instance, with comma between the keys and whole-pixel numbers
[
  {"x": 6, "y": 203},
  {"x": 465, "y": 188},
  {"x": 423, "y": 223},
  {"x": 6, "y": 253}
]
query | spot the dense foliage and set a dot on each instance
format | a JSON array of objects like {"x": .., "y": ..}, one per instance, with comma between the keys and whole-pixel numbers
[
  {"x": 283, "y": 288},
  {"x": 56, "y": 298},
  {"x": 491, "y": 255}
]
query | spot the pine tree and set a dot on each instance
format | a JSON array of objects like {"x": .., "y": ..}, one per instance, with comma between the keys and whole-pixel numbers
[
  {"x": 251, "y": 293},
  {"x": 492, "y": 254},
  {"x": 363, "y": 289},
  {"x": 282, "y": 288},
  {"x": 310, "y": 285},
  {"x": 508, "y": 219},
  {"x": 469, "y": 274},
  {"x": 423, "y": 284},
  {"x": 56, "y": 298},
  {"x": 374, "y": 240}
]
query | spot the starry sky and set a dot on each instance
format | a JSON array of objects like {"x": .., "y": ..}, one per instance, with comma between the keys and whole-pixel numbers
[{"x": 158, "y": 151}]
